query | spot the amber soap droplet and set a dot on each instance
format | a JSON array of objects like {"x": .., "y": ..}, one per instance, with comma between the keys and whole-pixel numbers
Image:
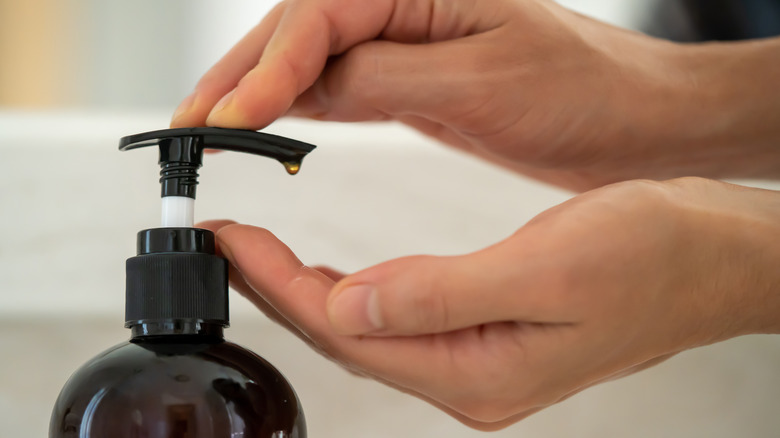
[{"x": 292, "y": 167}]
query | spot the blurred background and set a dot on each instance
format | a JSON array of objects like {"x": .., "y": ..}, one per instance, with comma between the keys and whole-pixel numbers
[{"x": 76, "y": 75}]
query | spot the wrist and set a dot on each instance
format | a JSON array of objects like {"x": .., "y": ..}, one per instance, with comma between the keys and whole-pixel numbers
[
  {"x": 724, "y": 120},
  {"x": 761, "y": 229},
  {"x": 737, "y": 235}
]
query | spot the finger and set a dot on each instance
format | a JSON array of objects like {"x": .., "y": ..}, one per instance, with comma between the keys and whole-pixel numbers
[
  {"x": 227, "y": 72},
  {"x": 307, "y": 33},
  {"x": 283, "y": 282},
  {"x": 238, "y": 283},
  {"x": 267, "y": 268},
  {"x": 427, "y": 294},
  {"x": 312, "y": 30},
  {"x": 214, "y": 226},
  {"x": 330, "y": 272},
  {"x": 381, "y": 78}
]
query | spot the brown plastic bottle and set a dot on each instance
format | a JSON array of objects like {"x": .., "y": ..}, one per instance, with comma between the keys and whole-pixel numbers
[{"x": 177, "y": 377}]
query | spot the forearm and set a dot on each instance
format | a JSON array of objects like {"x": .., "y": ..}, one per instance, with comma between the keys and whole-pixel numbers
[{"x": 727, "y": 115}]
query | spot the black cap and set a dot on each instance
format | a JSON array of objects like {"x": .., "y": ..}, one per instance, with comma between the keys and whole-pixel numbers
[{"x": 176, "y": 275}]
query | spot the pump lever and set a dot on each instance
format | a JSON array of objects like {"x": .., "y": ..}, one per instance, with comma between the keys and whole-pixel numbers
[
  {"x": 187, "y": 144},
  {"x": 181, "y": 154}
]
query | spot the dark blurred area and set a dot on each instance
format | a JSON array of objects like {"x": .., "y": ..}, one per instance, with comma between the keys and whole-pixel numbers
[{"x": 714, "y": 20}]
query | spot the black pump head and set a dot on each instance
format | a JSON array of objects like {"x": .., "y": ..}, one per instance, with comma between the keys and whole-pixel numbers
[
  {"x": 181, "y": 152},
  {"x": 176, "y": 275}
]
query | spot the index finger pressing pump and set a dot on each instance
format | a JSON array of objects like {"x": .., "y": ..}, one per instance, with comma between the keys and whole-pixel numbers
[{"x": 177, "y": 376}]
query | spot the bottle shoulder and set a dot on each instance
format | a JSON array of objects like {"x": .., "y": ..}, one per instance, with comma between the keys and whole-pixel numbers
[
  {"x": 147, "y": 380},
  {"x": 154, "y": 353}
]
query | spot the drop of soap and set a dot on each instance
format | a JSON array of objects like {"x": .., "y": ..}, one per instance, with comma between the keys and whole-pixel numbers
[{"x": 292, "y": 167}]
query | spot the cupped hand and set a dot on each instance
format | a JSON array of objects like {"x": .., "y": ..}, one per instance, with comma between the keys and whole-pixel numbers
[
  {"x": 525, "y": 83},
  {"x": 606, "y": 284}
]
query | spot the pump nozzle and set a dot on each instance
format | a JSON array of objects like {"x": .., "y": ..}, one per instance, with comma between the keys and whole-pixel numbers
[{"x": 181, "y": 154}]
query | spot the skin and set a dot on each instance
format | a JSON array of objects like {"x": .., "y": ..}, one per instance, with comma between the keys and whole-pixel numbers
[{"x": 611, "y": 282}]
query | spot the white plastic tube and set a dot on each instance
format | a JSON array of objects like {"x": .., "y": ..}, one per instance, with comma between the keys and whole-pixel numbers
[{"x": 178, "y": 212}]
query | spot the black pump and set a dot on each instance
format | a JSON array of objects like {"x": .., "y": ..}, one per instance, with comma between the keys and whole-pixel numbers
[
  {"x": 178, "y": 377},
  {"x": 177, "y": 250}
]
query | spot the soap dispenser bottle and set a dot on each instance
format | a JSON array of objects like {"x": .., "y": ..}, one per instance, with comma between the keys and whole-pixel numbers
[{"x": 177, "y": 376}]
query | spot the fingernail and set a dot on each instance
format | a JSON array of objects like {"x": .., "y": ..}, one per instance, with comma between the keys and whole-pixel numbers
[
  {"x": 183, "y": 107},
  {"x": 355, "y": 310},
  {"x": 225, "y": 101}
]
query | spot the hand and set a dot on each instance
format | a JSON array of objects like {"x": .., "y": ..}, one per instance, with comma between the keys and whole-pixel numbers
[
  {"x": 527, "y": 84},
  {"x": 611, "y": 282}
]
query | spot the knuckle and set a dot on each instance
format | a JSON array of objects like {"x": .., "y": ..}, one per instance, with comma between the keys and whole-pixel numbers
[
  {"x": 639, "y": 194},
  {"x": 695, "y": 182}
]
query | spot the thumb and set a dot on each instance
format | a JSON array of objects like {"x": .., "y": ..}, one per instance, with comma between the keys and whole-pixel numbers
[{"x": 426, "y": 294}]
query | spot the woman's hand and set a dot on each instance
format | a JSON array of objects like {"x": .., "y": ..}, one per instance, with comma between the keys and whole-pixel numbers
[
  {"x": 606, "y": 284},
  {"x": 525, "y": 83}
]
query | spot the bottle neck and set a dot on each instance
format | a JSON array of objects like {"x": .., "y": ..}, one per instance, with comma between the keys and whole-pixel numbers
[{"x": 176, "y": 327}]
